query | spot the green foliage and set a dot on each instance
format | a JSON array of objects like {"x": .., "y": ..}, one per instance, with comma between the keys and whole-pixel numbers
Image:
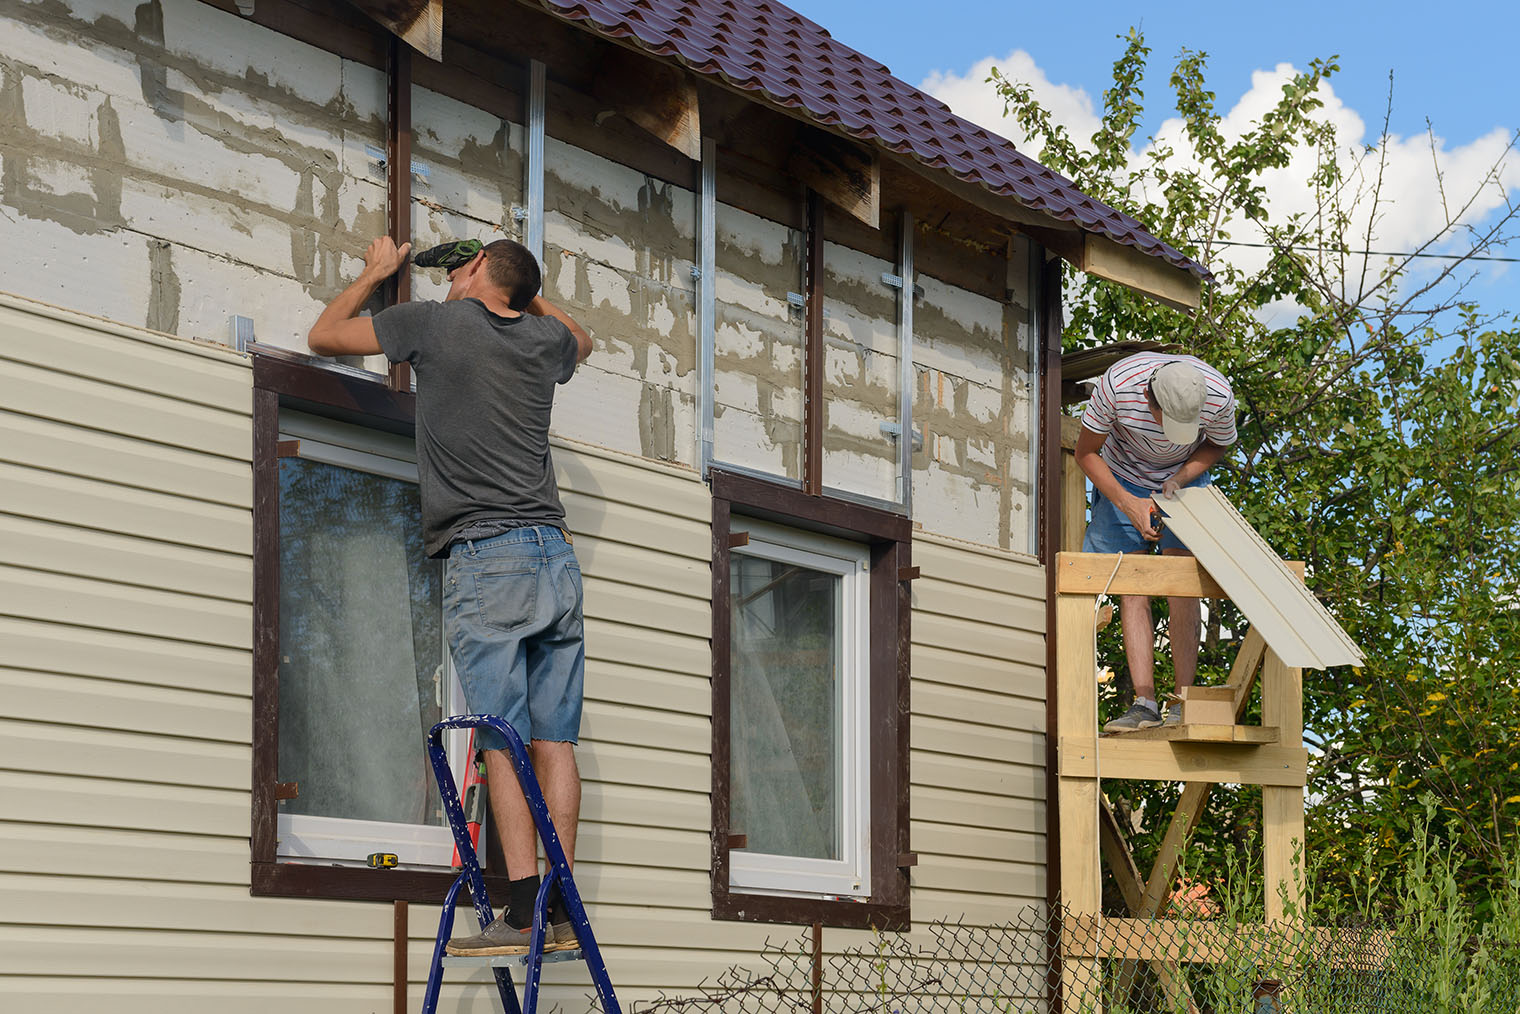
[{"x": 1378, "y": 442}]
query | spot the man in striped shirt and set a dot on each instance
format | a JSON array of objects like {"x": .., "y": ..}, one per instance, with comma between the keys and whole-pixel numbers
[{"x": 1154, "y": 424}]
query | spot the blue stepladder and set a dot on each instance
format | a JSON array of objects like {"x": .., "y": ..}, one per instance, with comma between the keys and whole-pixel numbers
[{"x": 470, "y": 878}]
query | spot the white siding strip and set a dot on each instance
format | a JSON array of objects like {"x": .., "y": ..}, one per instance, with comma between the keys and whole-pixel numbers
[{"x": 1294, "y": 623}]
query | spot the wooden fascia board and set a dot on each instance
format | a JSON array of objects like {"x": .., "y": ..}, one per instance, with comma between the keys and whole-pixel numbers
[
  {"x": 418, "y": 23},
  {"x": 1140, "y": 272}
]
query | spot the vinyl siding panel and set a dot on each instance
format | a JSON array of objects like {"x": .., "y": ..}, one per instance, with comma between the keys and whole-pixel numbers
[
  {"x": 125, "y": 609},
  {"x": 978, "y": 742}
]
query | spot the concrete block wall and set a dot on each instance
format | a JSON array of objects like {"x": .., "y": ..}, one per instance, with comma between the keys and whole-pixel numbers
[
  {"x": 973, "y": 403},
  {"x": 169, "y": 165},
  {"x": 619, "y": 249}
]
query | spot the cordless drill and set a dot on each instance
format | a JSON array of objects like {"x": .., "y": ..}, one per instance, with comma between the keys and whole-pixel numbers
[{"x": 453, "y": 254}]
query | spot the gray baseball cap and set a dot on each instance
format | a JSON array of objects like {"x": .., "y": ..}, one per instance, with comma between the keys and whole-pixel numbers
[{"x": 1180, "y": 390}]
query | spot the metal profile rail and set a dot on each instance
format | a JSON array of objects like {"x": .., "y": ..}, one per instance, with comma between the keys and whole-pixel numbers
[{"x": 470, "y": 877}]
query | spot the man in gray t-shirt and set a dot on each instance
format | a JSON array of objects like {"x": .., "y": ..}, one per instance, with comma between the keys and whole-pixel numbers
[{"x": 488, "y": 360}]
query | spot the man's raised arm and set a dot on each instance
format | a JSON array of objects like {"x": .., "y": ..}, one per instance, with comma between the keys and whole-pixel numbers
[{"x": 339, "y": 331}]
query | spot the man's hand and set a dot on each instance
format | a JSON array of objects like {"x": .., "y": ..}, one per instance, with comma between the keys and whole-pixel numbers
[
  {"x": 339, "y": 331},
  {"x": 383, "y": 259},
  {"x": 1170, "y": 487},
  {"x": 1138, "y": 510}
]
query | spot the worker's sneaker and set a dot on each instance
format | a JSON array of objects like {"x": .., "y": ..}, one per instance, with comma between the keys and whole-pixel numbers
[
  {"x": 563, "y": 934},
  {"x": 498, "y": 938},
  {"x": 1173, "y": 714},
  {"x": 1139, "y": 716}
]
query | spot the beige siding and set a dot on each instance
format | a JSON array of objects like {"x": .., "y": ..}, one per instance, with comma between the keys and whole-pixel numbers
[{"x": 125, "y": 608}]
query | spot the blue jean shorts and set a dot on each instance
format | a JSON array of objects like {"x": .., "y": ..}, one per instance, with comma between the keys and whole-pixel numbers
[
  {"x": 512, "y": 614},
  {"x": 1111, "y": 531}
]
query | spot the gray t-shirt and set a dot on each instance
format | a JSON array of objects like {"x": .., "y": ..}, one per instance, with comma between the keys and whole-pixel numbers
[{"x": 485, "y": 388}]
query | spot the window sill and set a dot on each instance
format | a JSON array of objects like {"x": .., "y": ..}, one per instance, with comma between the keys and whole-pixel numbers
[
  {"x": 308, "y": 880},
  {"x": 733, "y": 906}
]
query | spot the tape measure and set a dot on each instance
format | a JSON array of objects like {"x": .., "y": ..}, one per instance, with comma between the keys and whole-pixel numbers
[{"x": 382, "y": 860}]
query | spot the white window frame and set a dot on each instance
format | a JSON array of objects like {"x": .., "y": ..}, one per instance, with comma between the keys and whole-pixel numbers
[
  {"x": 850, "y": 875},
  {"x": 303, "y": 837}
]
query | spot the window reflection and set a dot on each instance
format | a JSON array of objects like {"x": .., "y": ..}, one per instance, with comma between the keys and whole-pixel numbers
[
  {"x": 786, "y": 728},
  {"x": 362, "y": 673}
]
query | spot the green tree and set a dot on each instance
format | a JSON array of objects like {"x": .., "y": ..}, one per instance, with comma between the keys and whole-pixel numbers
[{"x": 1378, "y": 442}]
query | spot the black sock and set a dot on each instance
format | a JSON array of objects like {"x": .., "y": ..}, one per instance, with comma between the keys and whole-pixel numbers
[
  {"x": 555, "y": 903},
  {"x": 521, "y": 896}
]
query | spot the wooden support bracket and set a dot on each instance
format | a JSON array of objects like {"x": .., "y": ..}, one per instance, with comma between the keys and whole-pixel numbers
[
  {"x": 843, "y": 172},
  {"x": 657, "y": 97}
]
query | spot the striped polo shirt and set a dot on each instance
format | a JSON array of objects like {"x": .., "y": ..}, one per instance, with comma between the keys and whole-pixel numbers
[{"x": 1135, "y": 449}]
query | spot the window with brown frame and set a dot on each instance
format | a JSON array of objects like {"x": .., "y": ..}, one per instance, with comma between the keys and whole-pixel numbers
[
  {"x": 350, "y": 666},
  {"x": 810, "y": 708}
]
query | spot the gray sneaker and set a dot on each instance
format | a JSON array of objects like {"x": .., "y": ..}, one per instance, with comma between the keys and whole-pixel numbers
[
  {"x": 497, "y": 938},
  {"x": 1173, "y": 714},
  {"x": 1139, "y": 716},
  {"x": 564, "y": 935}
]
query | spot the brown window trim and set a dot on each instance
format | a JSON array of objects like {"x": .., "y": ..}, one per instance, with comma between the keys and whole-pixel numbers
[
  {"x": 285, "y": 379},
  {"x": 890, "y": 537}
]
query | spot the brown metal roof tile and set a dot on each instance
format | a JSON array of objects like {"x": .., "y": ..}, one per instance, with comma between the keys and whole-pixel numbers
[{"x": 760, "y": 45}]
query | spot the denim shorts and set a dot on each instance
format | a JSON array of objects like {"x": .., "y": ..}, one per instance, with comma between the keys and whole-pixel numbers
[
  {"x": 512, "y": 613},
  {"x": 1111, "y": 530}
]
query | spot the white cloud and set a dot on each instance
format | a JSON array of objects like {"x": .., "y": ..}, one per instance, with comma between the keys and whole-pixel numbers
[
  {"x": 971, "y": 96},
  {"x": 1409, "y": 207}
]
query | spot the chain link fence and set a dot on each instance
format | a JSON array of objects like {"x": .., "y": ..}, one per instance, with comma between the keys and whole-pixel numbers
[{"x": 1045, "y": 963}]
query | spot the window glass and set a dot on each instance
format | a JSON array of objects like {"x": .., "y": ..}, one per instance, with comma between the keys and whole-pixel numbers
[
  {"x": 785, "y": 673},
  {"x": 799, "y": 618},
  {"x": 362, "y": 670}
]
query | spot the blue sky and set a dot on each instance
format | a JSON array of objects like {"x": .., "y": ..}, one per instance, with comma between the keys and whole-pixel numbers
[{"x": 1453, "y": 63}]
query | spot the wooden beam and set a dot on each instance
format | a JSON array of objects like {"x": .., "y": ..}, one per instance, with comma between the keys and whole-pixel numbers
[
  {"x": 1282, "y": 706},
  {"x": 846, "y": 174},
  {"x": 659, "y": 97},
  {"x": 1121, "y": 757},
  {"x": 1120, "y": 863},
  {"x": 1195, "y": 795},
  {"x": 1194, "y": 732},
  {"x": 1073, "y": 504},
  {"x": 1209, "y": 943},
  {"x": 418, "y": 23},
  {"x": 1140, "y": 272},
  {"x": 1243, "y": 673},
  {"x": 1071, "y": 429},
  {"x": 1077, "y": 793},
  {"x": 1181, "y": 576}
]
